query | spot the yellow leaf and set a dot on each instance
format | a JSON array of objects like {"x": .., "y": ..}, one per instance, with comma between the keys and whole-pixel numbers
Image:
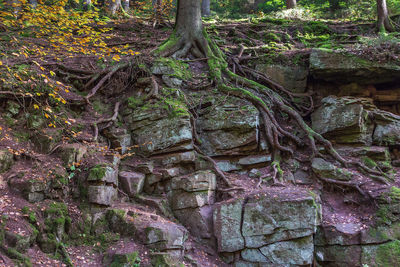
[
  {"x": 116, "y": 58},
  {"x": 47, "y": 116},
  {"x": 52, "y": 73},
  {"x": 35, "y": 106},
  {"x": 1, "y": 63}
]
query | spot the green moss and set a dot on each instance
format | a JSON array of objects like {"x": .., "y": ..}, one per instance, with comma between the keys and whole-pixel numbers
[
  {"x": 134, "y": 102},
  {"x": 272, "y": 37},
  {"x": 18, "y": 257},
  {"x": 370, "y": 163},
  {"x": 179, "y": 68},
  {"x": 131, "y": 259},
  {"x": 388, "y": 255},
  {"x": 31, "y": 214},
  {"x": 97, "y": 172}
]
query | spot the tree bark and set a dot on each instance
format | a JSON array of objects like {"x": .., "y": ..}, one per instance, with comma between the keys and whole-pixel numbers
[
  {"x": 112, "y": 6},
  {"x": 383, "y": 17},
  {"x": 290, "y": 4},
  {"x": 205, "y": 8}
]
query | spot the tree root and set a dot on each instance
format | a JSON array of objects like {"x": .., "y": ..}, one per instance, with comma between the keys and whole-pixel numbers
[
  {"x": 103, "y": 80},
  {"x": 265, "y": 99},
  {"x": 346, "y": 184},
  {"x": 215, "y": 166},
  {"x": 112, "y": 119}
]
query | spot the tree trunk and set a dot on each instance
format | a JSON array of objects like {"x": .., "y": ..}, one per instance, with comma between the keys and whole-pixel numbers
[
  {"x": 290, "y": 4},
  {"x": 188, "y": 17},
  {"x": 112, "y": 6},
  {"x": 205, "y": 8},
  {"x": 125, "y": 4},
  {"x": 383, "y": 17},
  {"x": 188, "y": 33}
]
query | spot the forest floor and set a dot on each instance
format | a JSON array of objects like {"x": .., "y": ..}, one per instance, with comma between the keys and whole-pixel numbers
[{"x": 257, "y": 40}]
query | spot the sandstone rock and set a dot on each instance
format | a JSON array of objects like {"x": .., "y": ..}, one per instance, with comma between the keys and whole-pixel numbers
[
  {"x": 326, "y": 169},
  {"x": 45, "y": 140},
  {"x": 165, "y": 236},
  {"x": 302, "y": 177},
  {"x": 183, "y": 200},
  {"x": 102, "y": 195},
  {"x": 119, "y": 137},
  {"x": 198, "y": 221},
  {"x": 163, "y": 259},
  {"x": 227, "y": 226},
  {"x": 253, "y": 255},
  {"x": 343, "y": 234},
  {"x": 293, "y": 78},
  {"x": 72, "y": 153},
  {"x": 255, "y": 159},
  {"x": 170, "y": 172},
  {"x": 255, "y": 173},
  {"x": 345, "y": 120},
  {"x": 145, "y": 168},
  {"x": 296, "y": 252},
  {"x": 338, "y": 256},
  {"x": 103, "y": 173},
  {"x": 387, "y": 130},
  {"x": 329, "y": 65},
  {"x": 387, "y": 254},
  {"x": 176, "y": 158},
  {"x": 156, "y": 132},
  {"x": 229, "y": 129},
  {"x": 131, "y": 182},
  {"x": 6, "y": 160},
  {"x": 227, "y": 166},
  {"x": 172, "y": 82},
  {"x": 195, "y": 182},
  {"x": 32, "y": 190},
  {"x": 277, "y": 217}
]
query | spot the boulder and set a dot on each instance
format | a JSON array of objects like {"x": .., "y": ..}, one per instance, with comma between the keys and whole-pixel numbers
[
  {"x": 32, "y": 190},
  {"x": 275, "y": 217},
  {"x": 292, "y": 78},
  {"x": 338, "y": 256},
  {"x": 329, "y": 65},
  {"x": 72, "y": 153},
  {"x": 156, "y": 131},
  {"x": 230, "y": 129},
  {"x": 294, "y": 252},
  {"x": 103, "y": 173},
  {"x": 326, "y": 169},
  {"x": 343, "y": 234},
  {"x": 193, "y": 190},
  {"x": 119, "y": 137},
  {"x": 345, "y": 120},
  {"x": 195, "y": 182},
  {"x": 254, "y": 159},
  {"x": 227, "y": 221},
  {"x": 272, "y": 228},
  {"x": 102, "y": 195},
  {"x": 387, "y": 130},
  {"x": 198, "y": 221},
  {"x": 131, "y": 182}
]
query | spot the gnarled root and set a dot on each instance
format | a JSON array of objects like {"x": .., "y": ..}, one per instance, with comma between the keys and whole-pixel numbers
[{"x": 265, "y": 99}]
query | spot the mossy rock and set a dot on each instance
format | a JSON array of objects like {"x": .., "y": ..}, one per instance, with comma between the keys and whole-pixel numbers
[{"x": 6, "y": 160}]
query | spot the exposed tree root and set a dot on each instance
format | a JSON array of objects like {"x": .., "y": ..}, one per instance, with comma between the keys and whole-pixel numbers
[
  {"x": 112, "y": 119},
  {"x": 104, "y": 79},
  {"x": 265, "y": 99},
  {"x": 345, "y": 184}
]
